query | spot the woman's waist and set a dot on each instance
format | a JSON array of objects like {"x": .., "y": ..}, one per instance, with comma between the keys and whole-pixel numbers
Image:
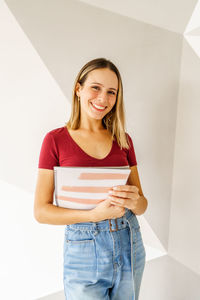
[{"x": 106, "y": 225}]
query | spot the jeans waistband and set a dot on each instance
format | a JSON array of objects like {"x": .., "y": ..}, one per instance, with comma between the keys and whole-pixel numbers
[{"x": 106, "y": 225}]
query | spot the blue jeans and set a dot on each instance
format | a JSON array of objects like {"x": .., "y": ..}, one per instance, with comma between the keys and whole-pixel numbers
[{"x": 103, "y": 260}]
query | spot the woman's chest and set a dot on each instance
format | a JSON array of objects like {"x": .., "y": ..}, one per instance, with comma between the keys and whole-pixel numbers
[{"x": 97, "y": 146}]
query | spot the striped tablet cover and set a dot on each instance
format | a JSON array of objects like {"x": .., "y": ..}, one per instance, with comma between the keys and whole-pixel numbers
[{"x": 85, "y": 187}]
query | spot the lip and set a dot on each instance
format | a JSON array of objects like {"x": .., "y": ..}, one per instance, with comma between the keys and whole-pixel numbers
[{"x": 97, "y": 108}]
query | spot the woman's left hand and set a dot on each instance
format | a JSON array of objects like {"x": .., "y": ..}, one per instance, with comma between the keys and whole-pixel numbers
[{"x": 125, "y": 196}]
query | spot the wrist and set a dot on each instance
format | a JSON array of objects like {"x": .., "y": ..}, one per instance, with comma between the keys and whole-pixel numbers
[{"x": 142, "y": 207}]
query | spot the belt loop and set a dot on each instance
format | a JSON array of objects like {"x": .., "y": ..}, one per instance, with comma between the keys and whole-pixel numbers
[
  {"x": 116, "y": 224},
  {"x": 110, "y": 225},
  {"x": 96, "y": 226}
]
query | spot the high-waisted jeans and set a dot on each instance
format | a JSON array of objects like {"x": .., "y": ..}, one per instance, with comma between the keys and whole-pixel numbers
[{"x": 103, "y": 260}]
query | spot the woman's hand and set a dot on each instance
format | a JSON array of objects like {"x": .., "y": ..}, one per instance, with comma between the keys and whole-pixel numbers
[
  {"x": 105, "y": 210},
  {"x": 125, "y": 196}
]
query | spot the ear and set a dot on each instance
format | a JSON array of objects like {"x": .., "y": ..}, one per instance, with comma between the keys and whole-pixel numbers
[{"x": 78, "y": 88}]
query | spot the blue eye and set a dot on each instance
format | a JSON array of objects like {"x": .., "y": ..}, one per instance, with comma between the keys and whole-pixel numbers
[{"x": 95, "y": 87}]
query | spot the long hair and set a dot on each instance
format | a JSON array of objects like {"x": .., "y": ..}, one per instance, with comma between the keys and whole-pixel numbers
[{"x": 114, "y": 121}]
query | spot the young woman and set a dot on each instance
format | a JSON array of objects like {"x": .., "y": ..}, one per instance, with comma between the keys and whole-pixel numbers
[{"x": 104, "y": 255}]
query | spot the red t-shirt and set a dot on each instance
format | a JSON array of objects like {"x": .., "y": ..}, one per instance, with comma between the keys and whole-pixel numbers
[{"x": 59, "y": 149}]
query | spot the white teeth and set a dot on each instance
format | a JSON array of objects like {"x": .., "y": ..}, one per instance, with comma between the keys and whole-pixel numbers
[{"x": 99, "y": 107}]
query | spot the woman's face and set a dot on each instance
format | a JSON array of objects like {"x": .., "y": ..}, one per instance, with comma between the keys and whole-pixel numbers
[{"x": 98, "y": 94}]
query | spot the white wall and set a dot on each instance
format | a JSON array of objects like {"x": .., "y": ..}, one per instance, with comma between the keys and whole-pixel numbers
[
  {"x": 172, "y": 14},
  {"x": 185, "y": 208},
  {"x": 30, "y": 253}
]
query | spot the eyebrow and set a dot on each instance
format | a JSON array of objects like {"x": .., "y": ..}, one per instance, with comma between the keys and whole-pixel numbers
[{"x": 103, "y": 85}]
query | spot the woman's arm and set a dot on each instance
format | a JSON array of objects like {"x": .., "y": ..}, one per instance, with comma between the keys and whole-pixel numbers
[
  {"x": 47, "y": 213},
  {"x": 135, "y": 180}
]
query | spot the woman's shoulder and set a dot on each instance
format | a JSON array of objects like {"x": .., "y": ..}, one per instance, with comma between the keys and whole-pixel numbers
[
  {"x": 127, "y": 134},
  {"x": 56, "y": 131},
  {"x": 56, "y": 135}
]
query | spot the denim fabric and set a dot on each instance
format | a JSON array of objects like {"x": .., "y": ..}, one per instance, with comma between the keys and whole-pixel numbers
[{"x": 102, "y": 264}]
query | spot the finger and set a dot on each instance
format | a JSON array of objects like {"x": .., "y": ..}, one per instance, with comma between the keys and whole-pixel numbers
[
  {"x": 126, "y": 187},
  {"x": 120, "y": 201},
  {"x": 128, "y": 203},
  {"x": 122, "y": 194},
  {"x": 119, "y": 205}
]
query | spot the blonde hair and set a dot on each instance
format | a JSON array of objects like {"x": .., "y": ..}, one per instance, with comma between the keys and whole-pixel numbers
[{"x": 114, "y": 121}]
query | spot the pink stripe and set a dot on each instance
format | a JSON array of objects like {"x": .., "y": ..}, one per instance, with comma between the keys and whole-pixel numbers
[
  {"x": 86, "y": 189},
  {"x": 100, "y": 176},
  {"x": 80, "y": 200}
]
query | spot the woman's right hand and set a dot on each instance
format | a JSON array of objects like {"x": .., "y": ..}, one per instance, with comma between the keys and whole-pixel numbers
[{"x": 105, "y": 210}]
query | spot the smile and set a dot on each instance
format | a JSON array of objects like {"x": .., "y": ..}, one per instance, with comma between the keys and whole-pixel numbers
[{"x": 97, "y": 107}]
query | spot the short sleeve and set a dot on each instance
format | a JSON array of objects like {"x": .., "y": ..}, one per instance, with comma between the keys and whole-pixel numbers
[
  {"x": 131, "y": 157},
  {"x": 48, "y": 157}
]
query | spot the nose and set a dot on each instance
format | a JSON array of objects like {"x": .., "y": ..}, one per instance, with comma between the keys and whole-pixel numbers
[{"x": 102, "y": 97}]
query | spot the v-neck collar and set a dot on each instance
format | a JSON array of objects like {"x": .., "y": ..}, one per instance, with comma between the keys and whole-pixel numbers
[{"x": 81, "y": 150}]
